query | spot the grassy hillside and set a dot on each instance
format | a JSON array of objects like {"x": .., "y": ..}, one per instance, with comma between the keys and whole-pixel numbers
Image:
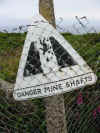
[
  {"x": 28, "y": 116},
  {"x": 10, "y": 51},
  {"x": 88, "y": 46}
]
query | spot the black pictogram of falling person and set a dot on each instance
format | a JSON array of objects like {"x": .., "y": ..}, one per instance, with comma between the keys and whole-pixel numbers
[
  {"x": 50, "y": 48},
  {"x": 45, "y": 47}
]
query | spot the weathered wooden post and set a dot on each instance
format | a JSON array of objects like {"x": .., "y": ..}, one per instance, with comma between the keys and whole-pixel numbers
[
  {"x": 35, "y": 64},
  {"x": 55, "y": 110}
]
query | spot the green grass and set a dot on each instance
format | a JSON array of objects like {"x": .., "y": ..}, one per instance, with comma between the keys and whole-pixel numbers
[
  {"x": 10, "y": 52},
  {"x": 88, "y": 46}
]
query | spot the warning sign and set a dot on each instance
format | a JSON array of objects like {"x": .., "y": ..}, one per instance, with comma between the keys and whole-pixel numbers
[{"x": 49, "y": 65}]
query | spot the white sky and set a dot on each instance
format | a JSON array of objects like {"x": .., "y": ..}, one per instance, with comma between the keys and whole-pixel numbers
[
  {"x": 21, "y": 11},
  {"x": 72, "y": 8}
]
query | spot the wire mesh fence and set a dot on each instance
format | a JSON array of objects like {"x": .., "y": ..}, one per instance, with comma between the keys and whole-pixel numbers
[{"x": 82, "y": 106}]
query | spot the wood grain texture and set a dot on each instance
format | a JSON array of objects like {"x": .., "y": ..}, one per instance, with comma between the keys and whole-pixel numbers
[{"x": 55, "y": 110}]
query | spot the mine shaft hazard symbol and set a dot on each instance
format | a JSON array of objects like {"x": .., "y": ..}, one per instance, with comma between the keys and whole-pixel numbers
[{"x": 49, "y": 65}]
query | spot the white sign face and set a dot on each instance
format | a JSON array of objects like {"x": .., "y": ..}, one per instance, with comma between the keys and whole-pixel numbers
[{"x": 49, "y": 65}]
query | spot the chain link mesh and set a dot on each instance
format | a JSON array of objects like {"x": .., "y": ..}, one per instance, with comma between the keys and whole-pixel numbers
[{"x": 82, "y": 106}]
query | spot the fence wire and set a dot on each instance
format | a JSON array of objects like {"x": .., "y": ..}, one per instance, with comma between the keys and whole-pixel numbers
[{"x": 82, "y": 106}]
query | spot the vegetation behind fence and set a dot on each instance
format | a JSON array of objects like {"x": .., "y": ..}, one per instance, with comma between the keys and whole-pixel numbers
[{"x": 82, "y": 106}]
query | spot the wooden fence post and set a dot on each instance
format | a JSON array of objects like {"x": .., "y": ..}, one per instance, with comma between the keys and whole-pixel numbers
[{"x": 55, "y": 109}]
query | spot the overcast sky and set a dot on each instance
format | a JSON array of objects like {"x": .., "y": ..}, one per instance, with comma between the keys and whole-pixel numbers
[{"x": 14, "y": 12}]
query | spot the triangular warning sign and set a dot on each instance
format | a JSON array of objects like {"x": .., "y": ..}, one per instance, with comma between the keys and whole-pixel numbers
[{"x": 49, "y": 65}]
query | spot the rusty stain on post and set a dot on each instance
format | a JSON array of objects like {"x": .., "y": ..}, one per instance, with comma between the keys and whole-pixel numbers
[{"x": 55, "y": 110}]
